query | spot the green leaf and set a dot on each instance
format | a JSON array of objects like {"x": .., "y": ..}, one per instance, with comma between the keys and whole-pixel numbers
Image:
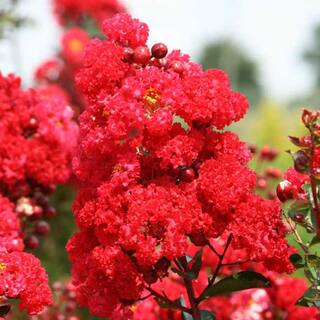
[
  {"x": 4, "y": 309},
  {"x": 237, "y": 282},
  {"x": 197, "y": 263},
  {"x": 313, "y": 260},
  {"x": 296, "y": 260},
  {"x": 204, "y": 315},
  {"x": 310, "y": 298},
  {"x": 185, "y": 275},
  {"x": 166, "y": 305},
  {"x": 195, "y": 269},
  {"x": 186, "y": 316},
  {"x": 315, "y": 240},
  {"x": 311, "y": 275}
]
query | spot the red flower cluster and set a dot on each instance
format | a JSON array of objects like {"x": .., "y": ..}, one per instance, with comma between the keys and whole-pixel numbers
[
  {"x": 155, "y": 172},
  {"x": 73, "y": 11},
  {"x": 37, "y": 137},
  {"x": 22, "y": 277},
  {"x": 59, "y": 72}
]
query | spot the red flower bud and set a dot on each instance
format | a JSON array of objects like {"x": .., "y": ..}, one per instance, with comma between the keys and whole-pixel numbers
[
  {"x": 42, "y": 228},
  {"x": 301, "y": 161},
  {"x": 188, "y": 175},
  {"x": 261, "y": 183},
  {"x": 273, "y": 173},
  {"x": 198, "y": 239},
  {"x": 31, "y": 242},
  {"x": 150, "y": 277},
  {"x": 128, "y": 54},
  {"x": 252, "y": 148},
  {"x": 159, "y": 50},
  {"x": 177, "y": 67},
  {"x": 268, "y": 153},
  {"x": 141, "y": 55},
  {"x": 50, "y": 212},
  {"x": 285, "y": 191},
  {"x": 299, "y": 217},
  {"x": 33, "y": 123}
]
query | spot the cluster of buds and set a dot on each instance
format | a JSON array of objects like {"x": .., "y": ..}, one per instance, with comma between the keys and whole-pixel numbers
[
  {"x": 142, "y": 56},
  {"x": 267, "y": 174},
  {"x": 33, "y": 213}
]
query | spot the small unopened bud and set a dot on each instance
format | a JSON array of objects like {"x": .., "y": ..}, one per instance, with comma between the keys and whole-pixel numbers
[
  {"x": 150, "y": 276},
  {"x": 273, "y": 173},
  {"x": 301, "y": 161},
  {"x": 268, "y": 153},
  {"x": 198, "y": 239},
  {"x": 31, "y": 242},
  {"x": 261, "y": 183},
  {"x": 285, "y": 191},
  {"x": 299, "y": 217}
]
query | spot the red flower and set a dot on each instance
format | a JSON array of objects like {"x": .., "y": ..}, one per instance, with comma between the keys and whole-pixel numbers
[
  {"x": 73, "y": 44},
  {"x": 154, "y": 172},
  {"x": 21, "y": 277},
  {"x": 74, "y": 10}
]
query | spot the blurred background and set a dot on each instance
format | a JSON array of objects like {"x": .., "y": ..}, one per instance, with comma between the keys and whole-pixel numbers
[{"x": 270, "y": 50}]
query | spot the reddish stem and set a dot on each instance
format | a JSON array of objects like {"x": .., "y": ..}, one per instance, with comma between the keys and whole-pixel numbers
[
  {"x": 190, "y": 291},
  {"x": 313, "y": 182}
]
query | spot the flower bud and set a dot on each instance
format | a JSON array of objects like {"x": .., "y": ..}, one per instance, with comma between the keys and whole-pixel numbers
[
  {"x": 177, "y": 67},
  {"x": 141, "y": 55},
  {"x": 198, "y": 239},
  {"x": 268, "y": 153},
  {"x": 150, "y": 277},
  {"x": 261, "y": 183},
  {"x": 31, "y": 242},
  {"x": 159, "y": 50},
  {"x": 42, "y": 228},
  {"x": 273, "y": 173},
  {"x": 128, "y": 54},
  {"x": 301, "y": 161},
  {"x": 188, "y": 175},
  {"x": 299, "y": 217},
  {"x": 285, "y": 191}
]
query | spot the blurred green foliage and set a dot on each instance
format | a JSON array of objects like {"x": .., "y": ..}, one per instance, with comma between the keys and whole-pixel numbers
[{"x": 9, "y": 19}]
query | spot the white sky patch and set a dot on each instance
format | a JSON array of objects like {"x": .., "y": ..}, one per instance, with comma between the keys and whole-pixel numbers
[{"x": 274, "y": 32}]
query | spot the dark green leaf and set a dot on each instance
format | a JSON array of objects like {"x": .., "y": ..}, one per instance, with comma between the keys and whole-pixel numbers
[
  {"x": 4, "y": 309},
  {"x": 311, "y": 275},
  {"x": 296, "y": 260},
  {"x": 313, "y": 260},
  {"x": 186, "y": 275},
  {"x": 310, "y": 298},
  {"x": 166, "y": 305},
  {"x": 315, "y": 240},
  {"x": 237, "y": 282},
  {"x": 187, "y": 316},
  {"x": 206, "y": 315},
  {"x": 197, "y": 263}
]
